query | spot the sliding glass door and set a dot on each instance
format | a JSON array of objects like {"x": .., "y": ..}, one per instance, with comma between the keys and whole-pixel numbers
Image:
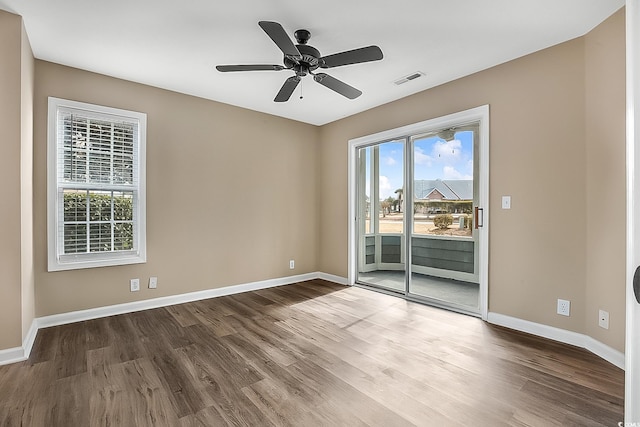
[
  {"x": 380, "y": 204},
  {"x": 419, "y": 216},
  {"x": 444, "y": 250}
]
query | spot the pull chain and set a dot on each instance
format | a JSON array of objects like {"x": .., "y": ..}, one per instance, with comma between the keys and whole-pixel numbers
[{"x": 301, "y": 83}]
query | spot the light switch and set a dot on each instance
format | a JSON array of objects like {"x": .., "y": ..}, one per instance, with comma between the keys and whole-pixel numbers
[{"x": 506, "y": 202}]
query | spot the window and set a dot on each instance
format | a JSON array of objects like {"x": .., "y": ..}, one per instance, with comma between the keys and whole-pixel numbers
[{"x": 96, "y": 186}]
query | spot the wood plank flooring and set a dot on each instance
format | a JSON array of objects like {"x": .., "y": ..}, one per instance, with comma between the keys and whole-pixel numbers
[{"x": 309, "y": 354}]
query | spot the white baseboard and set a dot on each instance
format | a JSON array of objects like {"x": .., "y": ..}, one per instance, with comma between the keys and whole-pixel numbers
[
  {"x": 12, "y": 355},
  {"x": 30, "y": 338},
  {"x": 130, "y": 307},
  {"x": 333, "y": 278},
  {"x": 609, "y": 354},
  {"x": 18, "y": 354}
]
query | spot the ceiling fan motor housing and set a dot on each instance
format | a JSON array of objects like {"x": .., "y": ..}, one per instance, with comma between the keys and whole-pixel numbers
[{"x": 309, "y": 61}]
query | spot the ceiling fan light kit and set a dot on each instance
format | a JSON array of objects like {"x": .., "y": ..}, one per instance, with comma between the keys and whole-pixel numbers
[{"x": 303, "y": 59}]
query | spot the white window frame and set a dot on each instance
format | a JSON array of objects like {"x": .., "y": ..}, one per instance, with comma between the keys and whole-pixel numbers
[{"x": 58, "y": 261}]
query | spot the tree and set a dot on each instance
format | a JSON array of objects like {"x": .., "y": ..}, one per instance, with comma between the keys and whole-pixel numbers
[{"x": 386, "y": 204}]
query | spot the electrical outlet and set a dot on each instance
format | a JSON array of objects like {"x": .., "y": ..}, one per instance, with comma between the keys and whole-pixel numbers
[
  {"x": 135, "y": 285},
  {"x": 603, "y": 319},
  {"x": 153, "y": 282},
  {"x": 564, "y": 307},
  {"x": 292, "y": 264}
]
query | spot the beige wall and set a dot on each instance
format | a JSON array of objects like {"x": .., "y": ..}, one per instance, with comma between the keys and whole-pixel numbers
[
  {"x": 231, "y": 194},
  {"x": 11, "y": 52},
  {"x": 538, "y": 155},
  {"x": 605, "y": 179}
]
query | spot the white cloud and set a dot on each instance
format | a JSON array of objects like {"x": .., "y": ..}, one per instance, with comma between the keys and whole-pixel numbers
[
  {"x": 449, "y": 172},
  {"x": 447, "y": 151},
  {"x": 385, "y": 187},
  {"x": 390, "y": 161},
  {"x": 421, "y": 158}
]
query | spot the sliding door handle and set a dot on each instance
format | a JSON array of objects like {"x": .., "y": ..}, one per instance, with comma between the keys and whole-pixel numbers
[
  {"x": 479, "y": 217},
  {"x": 636, "y": 284}
]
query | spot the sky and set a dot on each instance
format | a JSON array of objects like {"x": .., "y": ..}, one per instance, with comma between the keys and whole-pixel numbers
[{"x": 434, "y": 158}]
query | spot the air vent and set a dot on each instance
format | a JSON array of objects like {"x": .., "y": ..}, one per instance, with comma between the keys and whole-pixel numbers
[{"x": 410, "y": 77}]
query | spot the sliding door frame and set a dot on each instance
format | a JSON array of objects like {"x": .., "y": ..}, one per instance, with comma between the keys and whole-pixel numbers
[{"x": 479, "y": 114}]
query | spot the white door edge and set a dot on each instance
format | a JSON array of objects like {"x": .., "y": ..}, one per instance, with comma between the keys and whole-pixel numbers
[{"x": 632, "y": 347}]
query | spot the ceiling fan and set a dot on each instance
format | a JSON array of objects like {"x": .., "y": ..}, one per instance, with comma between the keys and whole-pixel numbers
[{"x": 303, "y": 59}]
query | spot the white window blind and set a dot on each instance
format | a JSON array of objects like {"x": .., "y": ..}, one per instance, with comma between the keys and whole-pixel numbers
[{"x": 96, "y": 185}]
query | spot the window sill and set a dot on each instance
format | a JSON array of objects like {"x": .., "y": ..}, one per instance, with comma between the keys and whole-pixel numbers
[{"x": 94, "y": 262}]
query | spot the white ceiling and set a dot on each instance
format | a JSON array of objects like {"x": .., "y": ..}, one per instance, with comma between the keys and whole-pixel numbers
[{"x": 175, "y": 44}]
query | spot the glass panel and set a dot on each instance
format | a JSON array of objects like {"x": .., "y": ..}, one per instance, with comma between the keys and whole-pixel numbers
[
  {"x": 100, "y": 237},
  {"x": 75, "y": 206},
  {"x": 123, "y": 236},
  {"x": 123, "y": 153},
  {"x": 123, "y": 217},
  {"x": 123, "y": 205},
  {"x": 75, "y": 238},
  {"x": 380, "y": 204},
  {"x": 443, "y": 185},
  {"x": 74, "y": 147},
  {"x": 100, "y": 151},
  {"x": 443, "y": 247},
  {"x": 390, "y": 181},
  {"x": 99, "y": 206}
]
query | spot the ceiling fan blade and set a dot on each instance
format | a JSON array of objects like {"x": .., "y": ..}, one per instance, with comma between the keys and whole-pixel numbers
[
  {"x": 280, "y": 38},
  {"x": 336, "y": 85},
  {"x": 356, "y": 56},
  {"x": 256, "y": 67},
  {"x": 287, "y": 89}
]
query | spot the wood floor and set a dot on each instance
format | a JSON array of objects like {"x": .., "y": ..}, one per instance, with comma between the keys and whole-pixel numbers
[{"x": 310, "y": 354}]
